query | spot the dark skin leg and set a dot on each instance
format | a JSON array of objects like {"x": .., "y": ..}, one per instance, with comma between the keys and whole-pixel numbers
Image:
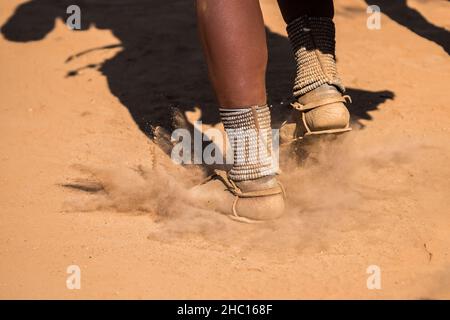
[
  {"x": 234, "y": 41},
  {"x": 292, "y": 9},
  {"x": 331, "y": 116}
]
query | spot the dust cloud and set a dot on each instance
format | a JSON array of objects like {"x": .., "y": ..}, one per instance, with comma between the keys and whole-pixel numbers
[{"x": 332, "y": 187}]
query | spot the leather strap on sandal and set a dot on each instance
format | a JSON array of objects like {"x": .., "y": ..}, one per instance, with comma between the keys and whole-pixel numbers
[
  {"x": 238, "y": 193},
  {"x": 319, "y": 103},
  {"x": 303, "y": 108}
]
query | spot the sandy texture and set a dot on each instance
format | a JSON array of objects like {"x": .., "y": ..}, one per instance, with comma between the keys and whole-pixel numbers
[{"x": 81, "y": 181}]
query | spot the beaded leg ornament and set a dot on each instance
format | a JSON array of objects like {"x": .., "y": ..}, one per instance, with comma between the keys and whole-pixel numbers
[
  {"x": 250, "y": 136},
  {"x": 313, "y": 42}
]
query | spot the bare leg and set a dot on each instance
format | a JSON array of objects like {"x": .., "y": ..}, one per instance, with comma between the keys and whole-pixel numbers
[
  {"x": 317, "y": 84},
  {"x": 234, "y": 41}
]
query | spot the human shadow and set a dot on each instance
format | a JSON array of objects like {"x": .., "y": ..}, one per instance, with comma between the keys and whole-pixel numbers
[
  {"x": 160, "y": 65},
  {"x": 400, "y": 12}
]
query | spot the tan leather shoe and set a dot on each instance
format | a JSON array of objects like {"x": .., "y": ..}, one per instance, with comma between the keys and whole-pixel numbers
[
  {"x": 249, "y": 201},
  {"x": 320, "y": 111}
]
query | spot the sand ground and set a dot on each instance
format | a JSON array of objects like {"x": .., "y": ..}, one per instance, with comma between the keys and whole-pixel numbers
[{"x": 77, "y": 106}]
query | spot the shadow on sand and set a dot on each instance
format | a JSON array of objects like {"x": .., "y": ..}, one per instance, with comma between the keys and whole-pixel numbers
[
  {"x": 161, "y": 65},
  {"x": 400, "y": 12}
]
